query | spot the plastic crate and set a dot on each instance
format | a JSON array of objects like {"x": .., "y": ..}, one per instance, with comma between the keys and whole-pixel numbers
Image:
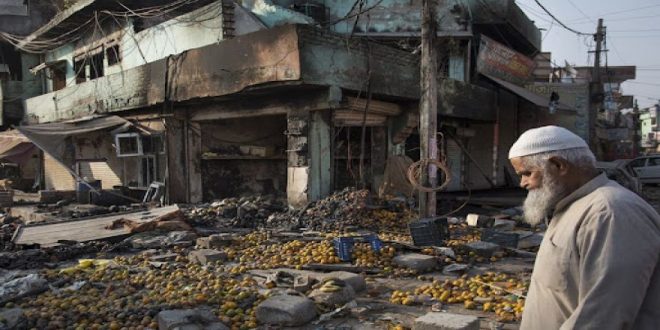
[
  {"x": 344, "y": 248},
  {"x": 429, "y": 232},
  {"x": 500, "y": 238},
  {"x": 374, "y": 241},
  {"x": 344, "y": 245}
]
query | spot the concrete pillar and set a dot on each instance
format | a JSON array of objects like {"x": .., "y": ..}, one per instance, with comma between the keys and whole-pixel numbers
[
  {"x": 184, "y": 179},
  {"x": 297, "y": 162},
  {"x": 320, "y": 155}
]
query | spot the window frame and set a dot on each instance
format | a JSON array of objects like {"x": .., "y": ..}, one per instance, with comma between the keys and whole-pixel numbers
[{"x": 138, "y": 139}]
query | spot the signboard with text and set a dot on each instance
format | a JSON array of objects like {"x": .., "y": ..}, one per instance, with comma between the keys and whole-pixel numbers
[{"x": 503, "y": 62}]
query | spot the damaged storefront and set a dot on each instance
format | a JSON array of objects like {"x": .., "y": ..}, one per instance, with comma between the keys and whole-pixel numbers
[{"x": 104, "y": 153}]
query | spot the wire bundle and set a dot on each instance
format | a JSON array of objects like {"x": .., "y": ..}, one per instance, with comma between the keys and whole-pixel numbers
[{"x": 416, "y": 169}]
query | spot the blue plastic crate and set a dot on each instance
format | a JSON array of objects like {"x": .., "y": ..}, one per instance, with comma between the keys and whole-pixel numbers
[
  {"x": 344, "y": 245},
  {"x": 344, "y": 248},
  {"x": 374, "y": 241}
]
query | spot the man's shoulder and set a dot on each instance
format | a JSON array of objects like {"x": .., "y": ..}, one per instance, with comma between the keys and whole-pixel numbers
[{"x": 612, "y": 197}]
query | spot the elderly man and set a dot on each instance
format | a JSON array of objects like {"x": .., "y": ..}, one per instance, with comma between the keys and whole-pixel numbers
[{"x": 597, "y": 267}]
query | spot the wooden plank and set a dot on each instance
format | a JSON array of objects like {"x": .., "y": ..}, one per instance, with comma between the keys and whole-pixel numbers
[
  {"x": 375, "y": 106},
  {"x": 83, "y": 230},
  {"x": 354, "y": 118}
]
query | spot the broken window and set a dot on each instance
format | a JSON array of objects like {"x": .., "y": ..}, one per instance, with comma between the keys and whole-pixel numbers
[
  {"x": 128, "y": 144},
  {"x": 79, "y": 65},
  {"x": 153, "y": 144},
  {"x": 10, "y": 63},
  {"x": 112, "y": 54},
  {"x": 96, "y": 65},
  {"x": 58, "y": 76},
  {"x": 148, "y": 171}
]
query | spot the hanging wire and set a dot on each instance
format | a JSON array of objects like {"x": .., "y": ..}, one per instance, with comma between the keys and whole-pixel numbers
[{"x": 416, "y": 169}]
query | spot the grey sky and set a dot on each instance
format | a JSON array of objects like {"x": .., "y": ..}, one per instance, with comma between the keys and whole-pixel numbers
[{"x": 633, "y": 37}]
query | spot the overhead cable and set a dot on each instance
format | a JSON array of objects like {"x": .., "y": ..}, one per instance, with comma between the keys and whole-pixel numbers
[{"x": 560, "y": 22}]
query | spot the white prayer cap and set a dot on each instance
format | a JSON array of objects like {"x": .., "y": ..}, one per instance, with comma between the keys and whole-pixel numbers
[{"x": 545, "y": 139}]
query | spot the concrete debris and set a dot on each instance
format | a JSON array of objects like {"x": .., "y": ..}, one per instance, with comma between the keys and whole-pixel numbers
[
  {"x": 356, "y": 281},
  {"x": 445, "y": 251},
  {"x": 286, "y": 310},
  {"x": 324, "y": 296},
  {"x": 529, "y": 240},
  {"x": 453, "y": 269},
  {"x": 206, "y": 256},
  {"x": 21, "y": 285},
  {"x": 416, "y": 261},
  {"x": 348, "y": 307},
  {"x": 164, "y": 257},
  {"x": 37, "y": 258},
  {"x": 279, "y": 267},
  {"x": 189, "y": 319},
  {"x": 153, "y": 240},
  {"x": 345, "y": 210},
  {"x": 446, "y": 321},
  {"x": 484, "y": 249},
  {"x": 504, "y": 224},
  {"x": 12, "y": 318},
  {"x": 478, "y": 220},
  {"x": 246, "y": 212},
  {"x": 302, "y": 283},
  {"x": 215, "y": 241}
]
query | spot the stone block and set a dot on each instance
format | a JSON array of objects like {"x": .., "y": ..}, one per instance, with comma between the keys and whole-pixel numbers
[
  {"x": 164, "y": 257},
  {"x": 205, "y": 256},
  {"x": 286, "y": 310},
  {"x": 481, "y": 248},
  {"x": 356, "y": 281},
  {"x": 446, "y": 321},
  {"x": 189, "y": 319},
  {"x": 504, "y": 224},
  {"x": 338, "y": 298},
  {"x": 416, "y": 261},
  {"x": 445, "y": 251},
  {"x": 215, "y": 241}
]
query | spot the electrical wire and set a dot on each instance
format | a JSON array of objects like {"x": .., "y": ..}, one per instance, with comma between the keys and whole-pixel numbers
[
  {"x": 558, "y": 21},
  {"x": 621, "y": 12}
]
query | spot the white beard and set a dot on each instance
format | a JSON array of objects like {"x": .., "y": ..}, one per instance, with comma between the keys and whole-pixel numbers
[{"x": 540, "y": 202}]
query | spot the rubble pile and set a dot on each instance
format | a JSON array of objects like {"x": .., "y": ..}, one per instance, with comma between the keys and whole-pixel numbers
[
  {"x": 347, "y": 210},
  {"x": 37, "y": 258},
  {"x": 244, "y": 212},
  {"x": 232, "y": 278}
]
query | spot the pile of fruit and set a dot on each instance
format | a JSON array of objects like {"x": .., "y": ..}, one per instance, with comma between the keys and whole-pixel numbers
[
  {"x": 128, "y": 293},
  {"x": 490, "y": 292}
]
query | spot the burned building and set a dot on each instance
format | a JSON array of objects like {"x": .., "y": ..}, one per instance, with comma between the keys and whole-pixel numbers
[{"x": 219, "y": 99}]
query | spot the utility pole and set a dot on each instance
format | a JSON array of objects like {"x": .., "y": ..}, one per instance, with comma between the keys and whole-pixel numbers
[
  {"x": 428, "y": 106},
  {"x": 635, "y": 138},
  {"x": 596, "y": 90}
]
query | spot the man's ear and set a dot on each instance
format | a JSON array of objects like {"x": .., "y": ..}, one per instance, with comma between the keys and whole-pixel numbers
[{"x": 559, "y": 164}]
